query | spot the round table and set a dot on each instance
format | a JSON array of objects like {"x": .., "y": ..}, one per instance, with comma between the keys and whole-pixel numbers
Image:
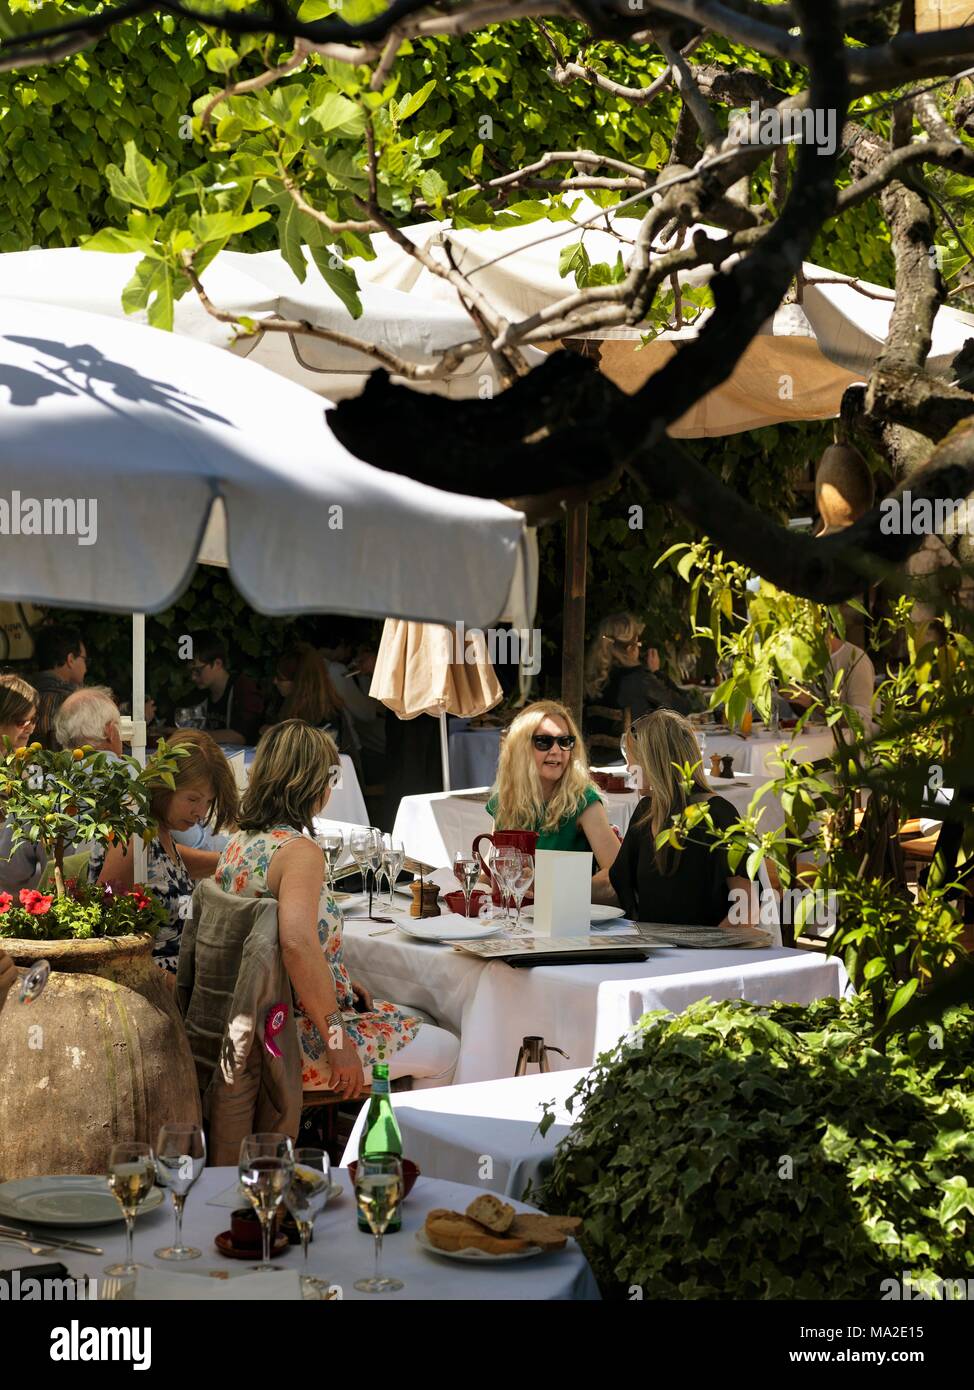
[{"x": 340, "y": 1253}]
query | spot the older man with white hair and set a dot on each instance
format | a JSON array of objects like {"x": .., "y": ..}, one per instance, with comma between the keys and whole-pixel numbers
[{"x": 90, "y": 716}]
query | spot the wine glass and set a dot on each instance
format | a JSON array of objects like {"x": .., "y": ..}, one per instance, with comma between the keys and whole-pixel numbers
[
  {"x": 360, "y": 845},
  {"x": 266, "y": 1167},
  {"x": 332, "y": 845},
  {"x": 502, "y": 864},
  {"x": 393, "y": 858},
  {"x": 131, "y": 1177},
  {"x": 467, "y": 870},
  {"x": 378, "y": 1192},
  {"x": 309, "y": 1191},
  {"x": 521, "y": 881},
  {"x": 180, "y": 1159}
]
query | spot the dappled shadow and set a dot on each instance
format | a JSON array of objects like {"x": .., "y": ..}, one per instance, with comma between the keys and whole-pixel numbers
[{"x": 84, "y": 370}]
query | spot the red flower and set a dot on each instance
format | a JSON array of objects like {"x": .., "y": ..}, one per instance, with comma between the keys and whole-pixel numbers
[
  {"x": 5, "y": 900},
  {"x": 141, "y": 901},
  {"x": 35, "y": 903}
]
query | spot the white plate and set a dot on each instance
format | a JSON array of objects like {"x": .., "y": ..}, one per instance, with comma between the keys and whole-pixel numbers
[
  {"x": 477, "y": 1257},
  {"x": 598, "y": 912},
  {"x": 65, "y": 1200},
  {"x": 427, "y": 930}
]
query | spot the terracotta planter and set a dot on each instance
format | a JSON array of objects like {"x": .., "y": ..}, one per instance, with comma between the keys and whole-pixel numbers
[{"x": 101, "y": 1057}]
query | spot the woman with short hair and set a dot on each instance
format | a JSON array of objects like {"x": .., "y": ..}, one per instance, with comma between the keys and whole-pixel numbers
[
  {"x": 543, "y": 784},
  {"x": 692, "y": 885},
  {"x": 342, "y": 1029},
  {"x": 205, "y": 790}
]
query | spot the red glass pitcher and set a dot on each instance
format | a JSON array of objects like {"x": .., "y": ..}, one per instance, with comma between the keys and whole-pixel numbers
[{"x": 524, "y": 840}]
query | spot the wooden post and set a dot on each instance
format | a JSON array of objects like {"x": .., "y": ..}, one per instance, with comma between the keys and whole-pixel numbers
[{"x": 573, "y": 611}]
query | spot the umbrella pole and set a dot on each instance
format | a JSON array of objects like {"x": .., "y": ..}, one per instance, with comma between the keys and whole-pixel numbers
[
  {"x": 445, "y": 753},
  {"x": 573, "y": 610},
  {"x": 138, "y": 720}
]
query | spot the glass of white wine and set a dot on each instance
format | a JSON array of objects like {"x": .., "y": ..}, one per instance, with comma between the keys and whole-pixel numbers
[
  {"x": 332, "y": 845},
  {"x": 131, "y": 1177},
  {"x": 180, "y": 1159},
  {"x": 309, "y": 1192},
  {"x": 378, "y": 1192},
  {"x": 266, "y": 1168}
]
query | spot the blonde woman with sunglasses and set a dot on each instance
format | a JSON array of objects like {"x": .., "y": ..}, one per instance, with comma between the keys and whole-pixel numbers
[
  {"x": 689, "y": 886},
  {"x": 543, "y": 784}
]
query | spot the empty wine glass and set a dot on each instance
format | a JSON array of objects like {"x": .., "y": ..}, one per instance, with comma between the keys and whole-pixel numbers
[
  {"x": 521, "y": 881},
  {"x": 266, "y": 1167},
  {"x": 309, "y": 1192},
  {"x": 360, "y": 843},
  {"x": 131, "y": 1177},
  {"x": 180, "y": 1159},
  {"x": 502, "y": 866},
  {"x": 332, "y": 844},
  {"x": 467, "y": 870},
  {"x": 378, "y": 1192}
]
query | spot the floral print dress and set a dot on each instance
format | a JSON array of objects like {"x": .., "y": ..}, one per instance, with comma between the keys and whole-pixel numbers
[
  {"x": 171, "y": 881},
  {"x": 242, "y": 869}
]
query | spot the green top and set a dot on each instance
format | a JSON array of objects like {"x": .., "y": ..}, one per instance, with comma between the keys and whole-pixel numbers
[{"x": 568, "y": 835}]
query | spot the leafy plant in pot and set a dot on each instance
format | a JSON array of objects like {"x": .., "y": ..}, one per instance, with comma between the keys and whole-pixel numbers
[{"x": 104, "y": 1058}]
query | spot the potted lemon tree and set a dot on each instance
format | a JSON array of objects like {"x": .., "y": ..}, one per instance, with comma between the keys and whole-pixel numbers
[{"x": 101, "y": 1057}]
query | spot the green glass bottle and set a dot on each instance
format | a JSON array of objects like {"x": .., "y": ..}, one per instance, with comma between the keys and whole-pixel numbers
[{"x": 381, "y": 1133}]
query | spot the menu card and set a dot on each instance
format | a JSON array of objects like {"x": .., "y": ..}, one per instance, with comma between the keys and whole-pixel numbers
[{"x": 562, "y": 893}]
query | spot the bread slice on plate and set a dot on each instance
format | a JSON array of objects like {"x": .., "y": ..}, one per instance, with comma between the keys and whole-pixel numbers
[
  {"x": 491, "y": 1212},
  {"x": 451, "y": 1230},
  {"x": 550, "y": 1232}
]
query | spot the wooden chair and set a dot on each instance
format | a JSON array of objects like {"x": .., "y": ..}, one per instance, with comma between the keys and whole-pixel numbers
[{"x": 319, "y": 1119}]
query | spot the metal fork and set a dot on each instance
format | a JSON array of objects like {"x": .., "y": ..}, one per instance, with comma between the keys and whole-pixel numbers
[{"x": 26, "y": 1244}]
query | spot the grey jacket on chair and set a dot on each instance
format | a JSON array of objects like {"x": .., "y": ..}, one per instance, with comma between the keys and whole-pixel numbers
[{"x": 230, "y": 974}]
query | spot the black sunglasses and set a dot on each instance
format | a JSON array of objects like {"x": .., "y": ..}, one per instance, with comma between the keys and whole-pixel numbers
[{"x": 544, "y": 741}]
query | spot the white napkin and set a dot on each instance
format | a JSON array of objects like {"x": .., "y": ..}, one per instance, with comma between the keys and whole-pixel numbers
[
  {"x": 231, "y": 1197},
  {"x": 443, "y": 925},
  {"x": 445, "y": 880},
  {"x": 160, "y": 1284}
]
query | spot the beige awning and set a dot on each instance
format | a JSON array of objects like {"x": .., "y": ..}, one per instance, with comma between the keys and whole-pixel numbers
[{"x": 417, "y": 671}]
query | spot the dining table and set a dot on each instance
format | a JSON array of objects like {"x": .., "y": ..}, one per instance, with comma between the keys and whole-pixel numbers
[
  {"x": 485, "y": 1133},
  {"x": 339, "y": 1253},
  {"x": 346, "y": 802},
  {"x": 583, "y": 1009}
]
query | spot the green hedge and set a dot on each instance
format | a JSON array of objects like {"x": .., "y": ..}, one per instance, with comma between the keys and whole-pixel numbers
[{"x": 739, "y": 1152}]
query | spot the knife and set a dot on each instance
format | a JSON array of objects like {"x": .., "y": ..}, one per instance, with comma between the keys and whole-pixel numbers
[{"x": 55, "y": 1243}]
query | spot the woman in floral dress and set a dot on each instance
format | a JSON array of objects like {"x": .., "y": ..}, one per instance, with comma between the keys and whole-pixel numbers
[{"x": 342, "y": 1030}]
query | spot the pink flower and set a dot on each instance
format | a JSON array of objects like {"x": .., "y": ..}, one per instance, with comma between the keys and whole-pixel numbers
[{"x": 5, "y": 900}]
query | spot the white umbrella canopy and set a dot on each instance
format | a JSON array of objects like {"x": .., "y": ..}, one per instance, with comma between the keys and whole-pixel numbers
[
  {"x": 153, "y": 428},
  {"x": 415, "y": 329}
]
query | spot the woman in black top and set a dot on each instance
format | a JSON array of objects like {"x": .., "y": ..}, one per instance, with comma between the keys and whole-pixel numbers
[
  {"x": 616, "y": 678},
  {"x": 689, "y": 886}
]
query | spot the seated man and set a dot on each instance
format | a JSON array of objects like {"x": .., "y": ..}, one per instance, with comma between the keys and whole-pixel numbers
[
  {"x": 233, "y": 702},
  {"x": 91, "y": 718},
  {"x": 63, "y": 663}
]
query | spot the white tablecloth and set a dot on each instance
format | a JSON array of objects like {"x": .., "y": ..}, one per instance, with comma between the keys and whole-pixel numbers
[
  {"x": 340, "y": 1253},
  {"x": 485, "y": 1134},
  {"x": 583, "y": 1009}
]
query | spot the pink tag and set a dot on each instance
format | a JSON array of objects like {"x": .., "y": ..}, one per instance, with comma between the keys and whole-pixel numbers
[{"x": 274, "y": 1021}]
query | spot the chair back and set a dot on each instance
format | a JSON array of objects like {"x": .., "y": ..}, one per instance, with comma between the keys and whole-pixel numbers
[{"x": 231, "y": 981}]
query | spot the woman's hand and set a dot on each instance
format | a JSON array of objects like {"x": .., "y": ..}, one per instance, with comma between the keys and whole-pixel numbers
[
  {"x": 347, "y": 1077},
  {"x": 363, "y": 999},
  {"x": 8, "y": 976}
]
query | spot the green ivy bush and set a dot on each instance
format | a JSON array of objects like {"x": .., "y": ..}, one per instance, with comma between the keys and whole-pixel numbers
[{"x": 744, "y": 1152}]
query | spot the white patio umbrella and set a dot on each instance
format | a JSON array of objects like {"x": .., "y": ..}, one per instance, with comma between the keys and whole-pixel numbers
[{"x": 117, "y": 442}]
